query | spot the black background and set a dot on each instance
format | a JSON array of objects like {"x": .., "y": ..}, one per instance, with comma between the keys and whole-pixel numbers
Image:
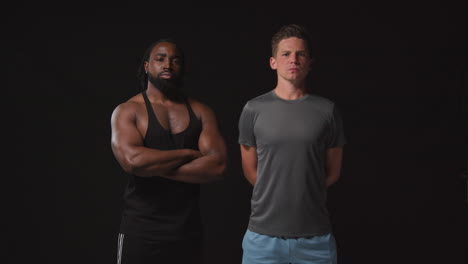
[{"x": 396, "y": 70}]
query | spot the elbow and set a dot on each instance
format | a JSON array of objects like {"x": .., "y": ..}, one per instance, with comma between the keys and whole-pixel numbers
[
  {"x": 332, "y": 179},
  {"x": 132, "y": 165},
  {"x": 129, "y": 168},
  {"x": 219, "y": 172},
  {"x": 129, "y": 162},
  {"x": 222, "y": 170}
]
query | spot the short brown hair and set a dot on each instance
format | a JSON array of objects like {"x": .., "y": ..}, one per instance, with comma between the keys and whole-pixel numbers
[{"x": 289, "y": 31}]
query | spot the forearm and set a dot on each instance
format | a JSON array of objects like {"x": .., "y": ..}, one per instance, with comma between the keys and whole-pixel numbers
[
  {"x": 251, "y": 177},
  {"x": 331, "y": 180},
  {"x": 205, "y": 169},
  {"x": 333, "y": 164},
  {"x": 333, "y": 174},
  {"x": 249, "y": 163},
  {"x": 147, "y": 162}
]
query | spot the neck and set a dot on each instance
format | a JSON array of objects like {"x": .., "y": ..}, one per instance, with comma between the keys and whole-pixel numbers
[
  {"x": 290, "y": 91},
  {"x": 156, "y": 96}
]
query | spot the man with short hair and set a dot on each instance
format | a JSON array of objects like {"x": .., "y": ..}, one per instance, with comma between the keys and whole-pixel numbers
[
  {"x": 291, "y": 144},
  {"x": 169, "y": 144}
]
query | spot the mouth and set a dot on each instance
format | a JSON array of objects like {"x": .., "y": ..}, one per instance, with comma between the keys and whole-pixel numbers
[{"x": 166, "y": 75}]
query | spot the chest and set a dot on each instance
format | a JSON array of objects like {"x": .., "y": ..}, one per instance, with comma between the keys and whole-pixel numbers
[
  {"x": 174, "y": 119},
  {"x": 300, "y": 125}
]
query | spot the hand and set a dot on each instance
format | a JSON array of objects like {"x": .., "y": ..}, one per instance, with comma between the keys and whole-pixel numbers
[{"x": 191, "y": 155}]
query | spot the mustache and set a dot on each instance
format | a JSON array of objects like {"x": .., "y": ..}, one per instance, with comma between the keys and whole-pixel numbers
[{"x": 168, "y": 71}]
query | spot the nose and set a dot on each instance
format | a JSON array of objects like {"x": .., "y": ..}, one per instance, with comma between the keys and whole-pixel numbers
[
  {"x": 167, "y": 65},
  {"x": 294, "y": 59}
]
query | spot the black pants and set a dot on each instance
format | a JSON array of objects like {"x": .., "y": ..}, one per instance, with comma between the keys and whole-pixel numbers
[{"x": 135, "y": 250}]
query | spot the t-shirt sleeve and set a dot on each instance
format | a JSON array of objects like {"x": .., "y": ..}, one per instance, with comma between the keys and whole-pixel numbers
[
  {"x": 336, "y": 137},
  {"x": 246, "y": 126}
]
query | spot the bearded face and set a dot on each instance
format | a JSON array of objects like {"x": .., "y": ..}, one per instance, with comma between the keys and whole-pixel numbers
[
  {"x": 171, "y": 88},
  {"x": 164, "y": 69}
]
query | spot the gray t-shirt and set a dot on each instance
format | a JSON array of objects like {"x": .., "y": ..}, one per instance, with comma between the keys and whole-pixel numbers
[{"x": 291, "y": 138}]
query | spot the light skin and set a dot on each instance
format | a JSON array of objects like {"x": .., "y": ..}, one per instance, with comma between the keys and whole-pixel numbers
[
  {"x": 292, "y": 63},
  {"x": 129, "y": 123}
]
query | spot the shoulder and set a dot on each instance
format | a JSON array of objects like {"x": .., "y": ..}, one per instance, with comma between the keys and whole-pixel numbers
[
  {"x": 266, "y": 97},
  {"x": 323, "y": 103},
  {"x": 258, "y": 101},
  {"x": 129, "y": 107},
  {"x": 325, "y": 106},
  {"x": 200, "y": 109},
  {"x": 321, "y": 100}
]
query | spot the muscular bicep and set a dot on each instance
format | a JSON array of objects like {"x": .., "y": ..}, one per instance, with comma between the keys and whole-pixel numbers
[
  {"x": 210, "y": 141},
  {"x": 212, "y": 163},
  {"x": 126, "y": 138},
  {"x": 129, "y": 150},
  {"x": 249, "y": 162}
]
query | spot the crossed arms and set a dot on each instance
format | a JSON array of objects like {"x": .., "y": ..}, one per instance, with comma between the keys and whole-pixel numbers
[{"x": 185, "y": 165}]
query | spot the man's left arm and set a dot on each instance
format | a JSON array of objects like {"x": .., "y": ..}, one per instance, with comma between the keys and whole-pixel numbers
[
  {"x": 333, "y": 160},
  {"x": 212, "y": 165}
]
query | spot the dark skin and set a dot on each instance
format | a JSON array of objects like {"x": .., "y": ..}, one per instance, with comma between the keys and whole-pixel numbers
[{"x": 129, "y": 123}]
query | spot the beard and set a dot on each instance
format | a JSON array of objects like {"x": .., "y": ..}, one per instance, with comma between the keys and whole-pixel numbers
[{"x": 170, "y": 88}]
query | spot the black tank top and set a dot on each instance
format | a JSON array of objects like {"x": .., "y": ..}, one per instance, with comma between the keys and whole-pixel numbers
[{"x": 158, "y": 208}]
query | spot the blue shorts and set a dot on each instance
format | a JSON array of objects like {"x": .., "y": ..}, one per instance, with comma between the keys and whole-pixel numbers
[{"x": 262, "y": 249}]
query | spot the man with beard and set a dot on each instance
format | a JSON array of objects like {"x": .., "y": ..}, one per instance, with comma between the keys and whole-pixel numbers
[{"x": 169, "y": 144}]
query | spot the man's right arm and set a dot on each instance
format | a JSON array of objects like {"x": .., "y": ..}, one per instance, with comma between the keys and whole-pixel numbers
[
  {"x": 249, "y": 162},
  {"x": 127, "y": 146}
]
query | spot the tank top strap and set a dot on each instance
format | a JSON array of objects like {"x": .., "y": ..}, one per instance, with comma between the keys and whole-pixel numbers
[
  {"x": 152, "y": 119},
  {"x": 190, "y": 110}
]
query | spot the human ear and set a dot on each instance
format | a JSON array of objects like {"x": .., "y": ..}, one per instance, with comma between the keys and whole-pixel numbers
[{"x": 273, "y": 63}]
